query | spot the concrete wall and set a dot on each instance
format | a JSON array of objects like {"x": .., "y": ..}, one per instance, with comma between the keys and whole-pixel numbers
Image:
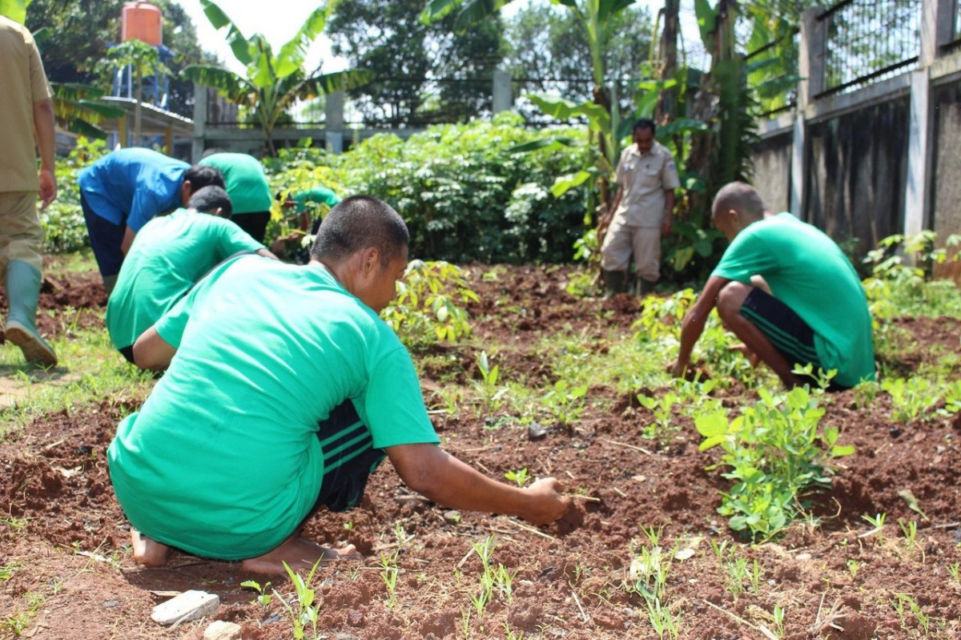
[
  {"x": 856, "y": 176},
  {"x": 772, "y": 171}
]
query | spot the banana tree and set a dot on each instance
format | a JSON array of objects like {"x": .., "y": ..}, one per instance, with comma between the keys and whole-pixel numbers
[
  {"x": 271, "y": 83},
  {"x": 16, "y": 10},
  {"x": 77, "y": 109}
]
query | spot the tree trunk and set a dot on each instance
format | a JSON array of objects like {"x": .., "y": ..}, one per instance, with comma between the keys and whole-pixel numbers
[{"x": 666, "y": 104}]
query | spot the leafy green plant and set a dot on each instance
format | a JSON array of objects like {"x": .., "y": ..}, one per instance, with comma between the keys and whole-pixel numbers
[
  {"x": 664, "y": 428},
  {"x": 775, "y": 452},
  {"x": 489, "y": 376},
  {"x": 648, "y": 572},
  {"x": 519, "y": 477},
  {"x": 263, "y": 598},
  {"x": 661, "y": 317},
  {"x": 908, "y": 609},
  {"x": 426, "y": 308},
  {"x": 911, "y": 399},
  {"x": 877, "y": 522},
  {"x": 305, "y": 610},
  {"x": 389, "y": 571},
  {"x": 564, "y": 402}
]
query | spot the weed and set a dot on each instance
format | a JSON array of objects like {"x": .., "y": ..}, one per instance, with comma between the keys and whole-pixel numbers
[
  {"x": 778, "y": 616},
  {"x": 306, "y": 608},
  {"x": 735, "y": 574},
  {"x": 489, "y": 375},
  {"x": 510, "y": 634},
  {"x": 908, "y": 608},
  {"x": 955, "y": 571},
  {"x": 388, "y": 573},
  {"x": 853, "y": 567},
  {"x": 648, "y": 578},
  {"x": 565, "y": 403},
  {"x": 664, "y": 428},
  {"x": 911, "y": 399},
  {"x": 519, "y": 477},
  {"x": 7, "y": 571},
  {"x": 877, "y": 522},
  {"x": 263, "y": 598}
]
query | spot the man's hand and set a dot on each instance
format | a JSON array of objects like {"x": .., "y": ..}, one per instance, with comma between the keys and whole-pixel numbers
[
  {"x": 667, "y": 225},
  {"x": 48, "y": 187},
  {"x": 548, "y": 505},
  {"x": 677, "y": 368}
]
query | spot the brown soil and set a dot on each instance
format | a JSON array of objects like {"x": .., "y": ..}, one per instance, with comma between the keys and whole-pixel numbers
[{"x": 66, "y": 569}]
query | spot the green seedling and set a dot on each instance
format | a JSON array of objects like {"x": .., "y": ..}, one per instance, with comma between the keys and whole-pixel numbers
[
  {"x": 664, "y": 428},
  {"x": 389, "y": 572},
  {"x": 565, "y": 403},
  {"x": 492, "y": 396},
  {"x": 775, "y": 452},
  {"x": 853, "y": 567},
  {"x": 877, "y": 524},
  {"x": 955, "y": 571},
  {"x": 263, "y": 598},
  {"x": 306, "y": 608},
  {"x": 911, "y": 399},
  {"x": 664, "y": 622},
  {"x": 427, "y": 307},
  {"x": 778, "y": 616},
  {"x": 910, "y": 531},
  {"x": 907, "y": 608},
  {"x": 519, "y": 477}
]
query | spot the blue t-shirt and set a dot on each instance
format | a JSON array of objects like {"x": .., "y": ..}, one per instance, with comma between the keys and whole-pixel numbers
[{"x": 131, "y": 186}]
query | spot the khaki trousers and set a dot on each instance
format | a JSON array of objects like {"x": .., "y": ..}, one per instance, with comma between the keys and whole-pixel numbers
[
  {"x": 644, "y": 243},
  {"x": 21, "y": 237}
]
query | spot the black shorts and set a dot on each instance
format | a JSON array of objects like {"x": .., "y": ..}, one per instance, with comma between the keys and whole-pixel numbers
[
  {"x": 255, "y": 224},
  {"x": 785, "y": 330},
  {"x": 349, "y": 459}
]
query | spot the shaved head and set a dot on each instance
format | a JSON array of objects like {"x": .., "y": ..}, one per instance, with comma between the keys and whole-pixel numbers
[{"x": 741, "y": 197}]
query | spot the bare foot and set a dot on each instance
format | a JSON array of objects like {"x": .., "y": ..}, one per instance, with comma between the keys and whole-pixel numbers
[
  {"x": 147, "y": 552},
  {"x": 300, "y": 555}
]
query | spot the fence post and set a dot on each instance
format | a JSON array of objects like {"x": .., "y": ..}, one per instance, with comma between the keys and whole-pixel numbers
[
  {"x": 334, "y": 122},
  {"x": 502, "y": 91},
  {"x": 811, "y": 70},
  {"x": 917, "y": 202}
]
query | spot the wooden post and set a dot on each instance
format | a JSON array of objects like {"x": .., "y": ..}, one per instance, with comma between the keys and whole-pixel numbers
[
  {"x": 122, "y": 130},
  {"x": 811, "y": 70}
]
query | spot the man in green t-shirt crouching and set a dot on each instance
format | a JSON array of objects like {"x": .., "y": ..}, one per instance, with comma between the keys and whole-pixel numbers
[
  {"x": 282, "y": 393},
  {"x": 164, "y": 263},
  {"x": 787, "y": 291}
]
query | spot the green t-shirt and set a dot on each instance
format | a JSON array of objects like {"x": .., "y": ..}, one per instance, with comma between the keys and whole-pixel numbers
[
  {"x": 809, "y": 273},
  {"x": 321, "y": 195},
  {"x": 223, "y": 459},
  {"x": 246, "y": 181},
  {"x": 166, "y": 258}
]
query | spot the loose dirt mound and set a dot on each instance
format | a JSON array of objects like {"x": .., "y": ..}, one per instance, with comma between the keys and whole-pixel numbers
[{"x": 67, "y": 574}]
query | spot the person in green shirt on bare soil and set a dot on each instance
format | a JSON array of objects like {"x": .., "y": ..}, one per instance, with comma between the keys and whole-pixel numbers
[
  {"x": 787, "y": 291},
  {"x": 247, "y": 186},
  {"x": 282, "y": 393},
  {"x": 163, "y": 264}
]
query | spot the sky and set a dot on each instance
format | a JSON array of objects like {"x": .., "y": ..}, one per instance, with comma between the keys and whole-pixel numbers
[{"x": 279, "y": 20}]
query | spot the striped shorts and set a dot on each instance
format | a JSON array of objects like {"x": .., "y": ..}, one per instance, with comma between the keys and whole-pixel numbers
[
  {"x": 349, "y": 458},
  {"x": 786, "y": 331}
]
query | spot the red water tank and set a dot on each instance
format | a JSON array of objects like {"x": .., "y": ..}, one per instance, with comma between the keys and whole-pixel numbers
[{"x": 141, "y": 21}]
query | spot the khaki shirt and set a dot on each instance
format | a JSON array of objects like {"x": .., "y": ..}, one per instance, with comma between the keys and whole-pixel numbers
[
  {"x": 643, "y": 178},
  {"x": 22, "y": 82}
]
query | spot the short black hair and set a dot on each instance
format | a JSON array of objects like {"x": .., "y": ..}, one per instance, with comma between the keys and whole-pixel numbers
[
  {"x": 201, "y": 175},
  {"x": 644, "y": 123},
  {"x": 209, "y": 199},
  {"x": 357, "y": 223}
]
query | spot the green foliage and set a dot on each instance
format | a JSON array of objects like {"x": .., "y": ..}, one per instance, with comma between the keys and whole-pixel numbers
[
  {"x": 911, "y": 399},
  {"x": 426, "y": 308},
  {"x": 62, "y": 221},
  {"x": 565, "y": 403},
  {"x": 664, "y": 428},
  {"x": 519, "y": 477},
  {"x": 896, "y": 287},
  {"x": 776, "y": 452},
  {"x": 16, "y": 10},
  {"x": 661, "y": 317},
  {"x": 304, "y": 610},
  {"x": 457, "y": 187}
]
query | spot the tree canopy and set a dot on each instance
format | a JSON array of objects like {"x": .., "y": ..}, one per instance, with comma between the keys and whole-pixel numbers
[{"x": 421, "y": 72}]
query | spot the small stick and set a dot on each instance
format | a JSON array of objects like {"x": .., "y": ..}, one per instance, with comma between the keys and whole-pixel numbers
[
  {"x": 464, "y": 559},
  {"x": 619, "y": 492},
  {"x": 578, "y": 496},
  {"x": 742, "y": 620},
  {"x": 947, "y": 525},
  {"x": 584, "y": 616},
  {"x": 629, "y": 446},
  {"x": 531, "y": 529}
]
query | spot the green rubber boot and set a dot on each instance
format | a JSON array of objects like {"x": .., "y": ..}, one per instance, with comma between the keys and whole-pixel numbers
[
  {"x": 23, "y": 289},
  {"x": 614, "y": 282}
]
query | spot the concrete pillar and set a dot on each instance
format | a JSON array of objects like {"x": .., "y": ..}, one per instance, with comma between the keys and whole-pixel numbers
[
  {"x": 503, "y": 100},
  {"x": 936, "y": 27},
  {"x": 200, "y": 122},
  {"x": 811, "y": 70},
  {"x": 334, "y": 127}
]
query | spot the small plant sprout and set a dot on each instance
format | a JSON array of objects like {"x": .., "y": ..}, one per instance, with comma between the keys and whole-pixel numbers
[
  {"x": 519, "y": 477},
  {"x": 489, "y": 376},
  {"x": 755, "y": 577},
  {"x": 910, "y": 531},
  {"x": 778, "y": 615},
  {"x": 853, "y": 567},
  {"x": 263, "y": 598},
  {"x": 388, "y": 573},
  {"x": 877, "y": 524},
  {"x": 908, "y": 608},
  {"x": 565, "y": 403},
  {"x": 306, "y": 608},
  {"x": 955, "y": 571}
]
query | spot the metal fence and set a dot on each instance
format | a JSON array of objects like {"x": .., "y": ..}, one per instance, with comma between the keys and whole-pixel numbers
[{"x": 866, "y": 40}]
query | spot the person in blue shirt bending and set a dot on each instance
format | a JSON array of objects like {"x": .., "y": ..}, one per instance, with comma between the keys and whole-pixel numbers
[{"x": 123, "y": 190}]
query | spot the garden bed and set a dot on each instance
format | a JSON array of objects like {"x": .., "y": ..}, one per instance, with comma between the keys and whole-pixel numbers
[{"x": 640, "y": 503}]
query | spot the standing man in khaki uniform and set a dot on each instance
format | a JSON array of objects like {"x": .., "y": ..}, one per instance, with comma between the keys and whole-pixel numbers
[
  {"x": 26, "y": 119},
  {"x": 641, "y": 212}
]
